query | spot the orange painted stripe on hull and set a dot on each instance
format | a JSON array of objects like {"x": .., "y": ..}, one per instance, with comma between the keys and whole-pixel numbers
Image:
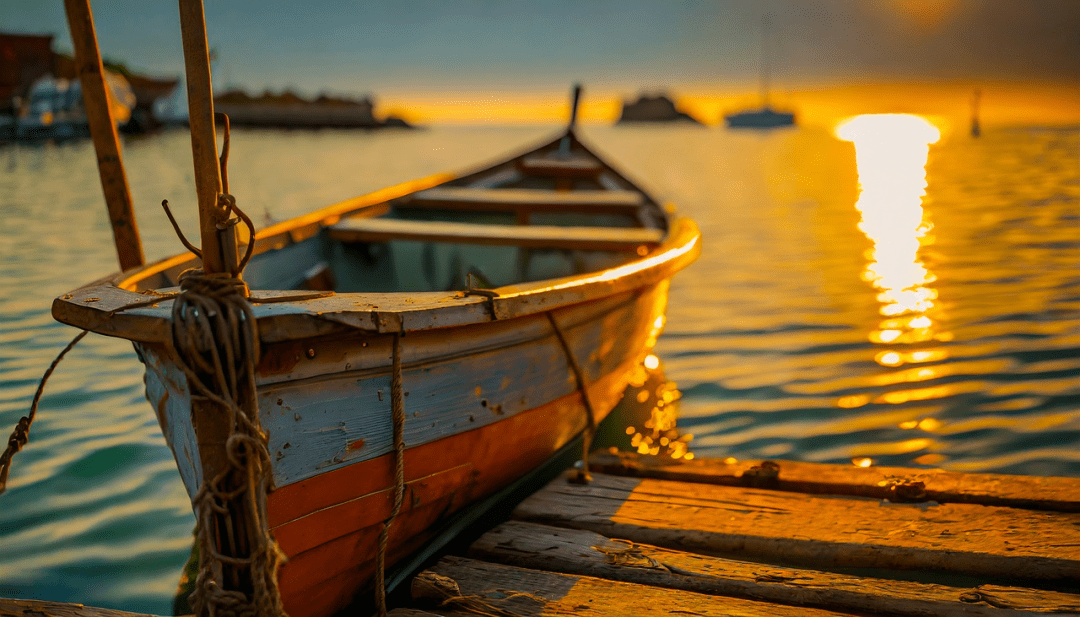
[
  {"x": 329, "y": 577},
  {"x": 325, "y": 544}
]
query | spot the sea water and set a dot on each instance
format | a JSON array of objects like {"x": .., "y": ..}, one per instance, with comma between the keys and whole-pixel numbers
[{"x": 921, "y": 310}]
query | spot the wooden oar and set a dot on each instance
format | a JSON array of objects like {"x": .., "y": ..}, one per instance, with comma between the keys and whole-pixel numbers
[{"x": 103, "y": 131}]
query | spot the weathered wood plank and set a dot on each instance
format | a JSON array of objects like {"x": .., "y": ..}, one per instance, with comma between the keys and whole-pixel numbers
[
  {"x": 500, "y": 199},
  {"x": 892, "y": 483},
  {"x": 363, "y": 229},
  {"x": 495, "y": 589},
  {"x": 817, "y": 531},
  {"x": 569, "y": 167},
  {"x": 41, "y": 608},
  {"x": 572, "y": 551}
]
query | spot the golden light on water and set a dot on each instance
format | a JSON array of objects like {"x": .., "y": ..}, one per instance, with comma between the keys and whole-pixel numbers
[
  {"x": 891, "y": 151},
  {"x": 658, "y": 434}
]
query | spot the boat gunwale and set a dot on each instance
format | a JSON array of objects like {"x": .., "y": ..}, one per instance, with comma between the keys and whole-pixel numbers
[
  {"x": 98, "y": 308},
  {"x": 101, "y": 306}
]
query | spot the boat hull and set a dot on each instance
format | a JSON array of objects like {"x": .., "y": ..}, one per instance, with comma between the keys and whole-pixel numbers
[{"x": 485, "y": 404}]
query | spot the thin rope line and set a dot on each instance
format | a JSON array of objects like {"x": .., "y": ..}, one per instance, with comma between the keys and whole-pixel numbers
[
  {"x": 590, "y": 419},
  {"x": 21, "y": 435},
  {"x": 397, "y": 404}
]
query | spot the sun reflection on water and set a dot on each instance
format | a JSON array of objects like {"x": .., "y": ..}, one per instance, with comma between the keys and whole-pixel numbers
[{"x": 891, "y": 151}]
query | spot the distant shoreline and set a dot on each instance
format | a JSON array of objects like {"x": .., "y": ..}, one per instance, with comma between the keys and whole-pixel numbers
[{"x": 288, "y": 110}]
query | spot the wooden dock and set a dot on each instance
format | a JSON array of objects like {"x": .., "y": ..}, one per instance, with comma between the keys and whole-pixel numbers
[
  {"x": 708, "y": 537},
  {"x": 653, "y": 536}
]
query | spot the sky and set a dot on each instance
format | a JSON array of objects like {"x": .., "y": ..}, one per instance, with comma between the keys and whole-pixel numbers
[{"x": 488, "y": 60}]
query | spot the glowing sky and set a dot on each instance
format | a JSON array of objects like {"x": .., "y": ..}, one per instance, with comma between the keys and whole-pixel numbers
[{"x": 515, "y": 60}]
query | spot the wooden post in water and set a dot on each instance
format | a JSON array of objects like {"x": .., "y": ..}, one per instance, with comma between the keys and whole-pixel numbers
[
  {"x": 203, "y": 135},
  {"x": 103, "y": 131}
]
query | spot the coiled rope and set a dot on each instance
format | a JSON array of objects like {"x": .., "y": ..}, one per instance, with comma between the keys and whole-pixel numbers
[
  {"x": 215, "y": 341},
  {"x": 216, "y": 344}
]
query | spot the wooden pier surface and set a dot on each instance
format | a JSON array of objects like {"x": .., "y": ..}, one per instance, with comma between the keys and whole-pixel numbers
[
  {"x": 655, "y": 537},
  {"x": 651, "y": 536}
]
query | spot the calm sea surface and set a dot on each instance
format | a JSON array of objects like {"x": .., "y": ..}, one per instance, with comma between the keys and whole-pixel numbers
[{"x": 931, "y": 318}]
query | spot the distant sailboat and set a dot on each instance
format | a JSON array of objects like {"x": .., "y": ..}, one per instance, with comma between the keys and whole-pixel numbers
[{"x": 766, "y": 117}]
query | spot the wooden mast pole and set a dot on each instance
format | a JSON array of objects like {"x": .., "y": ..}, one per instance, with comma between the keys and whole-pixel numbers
[
  {"x": 228, "y": 532},
  {"x": 574, "y": 107},
  {"x": 212, "y": 217},
  {"x": 103, "y": 131}
]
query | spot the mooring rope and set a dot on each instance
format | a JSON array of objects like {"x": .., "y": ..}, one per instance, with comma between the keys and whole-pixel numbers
[
  {"x": 583, "y": 476},
  {"x": 446, "y": 593},
  {"x": 216, "y": 343},
  {"x": 21, "y": 435},
  {"x": 397, "y": 408}
]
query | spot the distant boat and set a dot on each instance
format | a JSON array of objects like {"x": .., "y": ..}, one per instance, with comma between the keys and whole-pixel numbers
[
  {"x": 765, "y": 117},
  {"x": 53, "y": 108}
]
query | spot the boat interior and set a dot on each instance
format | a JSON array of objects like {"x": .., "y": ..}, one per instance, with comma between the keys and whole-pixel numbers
[{"x": 556, "y": 211}]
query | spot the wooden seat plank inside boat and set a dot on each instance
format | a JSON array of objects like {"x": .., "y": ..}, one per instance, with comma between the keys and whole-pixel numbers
[
  {"x": 358, "y": 229},
  {"x": 467, "y": 198},
  {"x": 576, "y": 166}
]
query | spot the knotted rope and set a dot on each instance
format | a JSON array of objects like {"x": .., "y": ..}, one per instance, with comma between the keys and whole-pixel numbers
[
  {"x": 21, "y": 434},
  {"x": 583, "y": 476},
  {"x": 216, "y": 343},
  {"x": 397, "y": 408},
  {"x": 445, "y": 593}
]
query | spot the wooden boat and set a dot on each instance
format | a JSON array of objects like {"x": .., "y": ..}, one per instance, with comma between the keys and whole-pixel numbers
[{"x": 498, "y": 281}]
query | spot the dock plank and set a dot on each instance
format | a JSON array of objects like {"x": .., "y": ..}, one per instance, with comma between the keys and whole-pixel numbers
[
  {"x": 572, "y": 551},
  {"x": 495, "y": 589},
  {"x": 41, "y": 608},
  {"x": 893, "y": 483},
  {"x": 819, "y": 531}
]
